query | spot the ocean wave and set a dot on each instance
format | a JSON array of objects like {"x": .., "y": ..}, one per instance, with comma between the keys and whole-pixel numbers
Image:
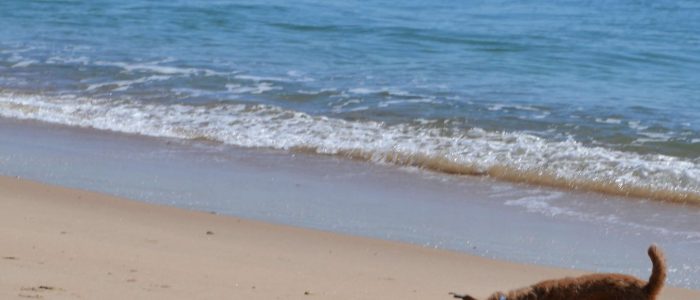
[
  {"x": 122, "y": 85},
  {"x": 293, "y": 78},
  {"x": 24, "y": 63},
  {"x": 387, "y": 103},
  {"x": 385, "y": 91},
  {"x": 154, "y": 67},
  {"x": 58, "y": 59},
  {"x": 514, "y": 156},
  {"x": 260, "y": 88}
]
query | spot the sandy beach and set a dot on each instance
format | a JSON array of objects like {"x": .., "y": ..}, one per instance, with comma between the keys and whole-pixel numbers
[
  {"x": 60, "y": 243},
  {"x": 345, "y": 150}
]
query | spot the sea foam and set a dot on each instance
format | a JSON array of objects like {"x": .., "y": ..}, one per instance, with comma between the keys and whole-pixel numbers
[{"x": 514, "y": 156}]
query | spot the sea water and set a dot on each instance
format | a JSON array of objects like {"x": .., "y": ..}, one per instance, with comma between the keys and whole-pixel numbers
[{"x": 596, "y": 95}]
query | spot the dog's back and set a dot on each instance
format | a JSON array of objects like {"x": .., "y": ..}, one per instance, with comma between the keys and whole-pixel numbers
[
  {"x": 598, "y": 286},
  {"x": 593, "y": 287}
]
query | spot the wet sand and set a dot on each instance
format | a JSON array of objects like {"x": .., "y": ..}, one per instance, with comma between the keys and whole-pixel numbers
[
  {"x": 473, "y": 215},
  {"x": 60, "y": 243}
]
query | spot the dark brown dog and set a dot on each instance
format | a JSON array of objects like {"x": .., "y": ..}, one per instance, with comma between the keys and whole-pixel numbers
[{"x": 592, "y": 287}]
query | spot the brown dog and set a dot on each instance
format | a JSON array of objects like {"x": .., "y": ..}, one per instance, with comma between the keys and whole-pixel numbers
[{"x": 592, "y": 287}]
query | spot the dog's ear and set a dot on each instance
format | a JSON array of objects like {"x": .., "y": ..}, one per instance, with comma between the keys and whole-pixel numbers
[{"x": 463, "y": 297}]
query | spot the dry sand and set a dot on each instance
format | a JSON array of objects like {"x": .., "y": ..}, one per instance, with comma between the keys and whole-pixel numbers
[{"x": 59, "y": 243}]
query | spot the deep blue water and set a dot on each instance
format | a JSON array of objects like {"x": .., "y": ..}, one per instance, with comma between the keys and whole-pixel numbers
[{"x": 476, "y": 83}]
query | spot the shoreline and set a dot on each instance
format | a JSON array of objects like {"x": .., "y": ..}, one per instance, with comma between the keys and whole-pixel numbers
[
  {"x": 478, "y": 216},
  {"x": 62, "y": 243},
  {"x": 510, "y": 156}
]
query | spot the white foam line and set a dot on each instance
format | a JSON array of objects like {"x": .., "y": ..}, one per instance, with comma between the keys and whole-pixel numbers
[
  {"x": 122, "y": 85},
  {"x": 636, "y": 125},
  {"x": 271, "y": 78},
  {"x": 260, "y": 88},
  {"x": 24, "y": 63},
  {"x": 363, "y": 91},
  {"x": 495, "y": 107},
  {"x": 608, "y": 121},
  {"x": 539, "y": 204},
  {"x": 388, "y": 103},
  {"x": 273, "y": 127},
  {"x": 167, "y": 70},
  {"x": 499, "y": 106},
  {"x": 367, "y": 91},
  {"x": 542, "y": 204},
  {"x": 83, "y": 60}
]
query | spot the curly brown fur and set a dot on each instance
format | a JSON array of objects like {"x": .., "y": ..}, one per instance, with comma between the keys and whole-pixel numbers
[{"x": 592, "y": 287}]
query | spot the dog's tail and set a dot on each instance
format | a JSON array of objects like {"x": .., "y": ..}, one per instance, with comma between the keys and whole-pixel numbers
[{"x": 658, "y": 272}]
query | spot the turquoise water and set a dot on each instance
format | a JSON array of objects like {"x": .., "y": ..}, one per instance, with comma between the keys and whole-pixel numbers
[{"x": 599, "y": 95}]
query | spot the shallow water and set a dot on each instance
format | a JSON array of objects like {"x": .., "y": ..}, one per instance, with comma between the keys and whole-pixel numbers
[
  {"x": 598, "y": 96},
  {"x": 471, "y": 214}
]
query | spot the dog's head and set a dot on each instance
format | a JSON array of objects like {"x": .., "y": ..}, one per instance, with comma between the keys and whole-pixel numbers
[
  {"x": 463, "y": 297},
  {"x": 495, "y": 296}
]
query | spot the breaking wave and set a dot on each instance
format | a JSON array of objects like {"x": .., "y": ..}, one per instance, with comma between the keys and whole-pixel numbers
[{"x": 513, "y": 156}]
